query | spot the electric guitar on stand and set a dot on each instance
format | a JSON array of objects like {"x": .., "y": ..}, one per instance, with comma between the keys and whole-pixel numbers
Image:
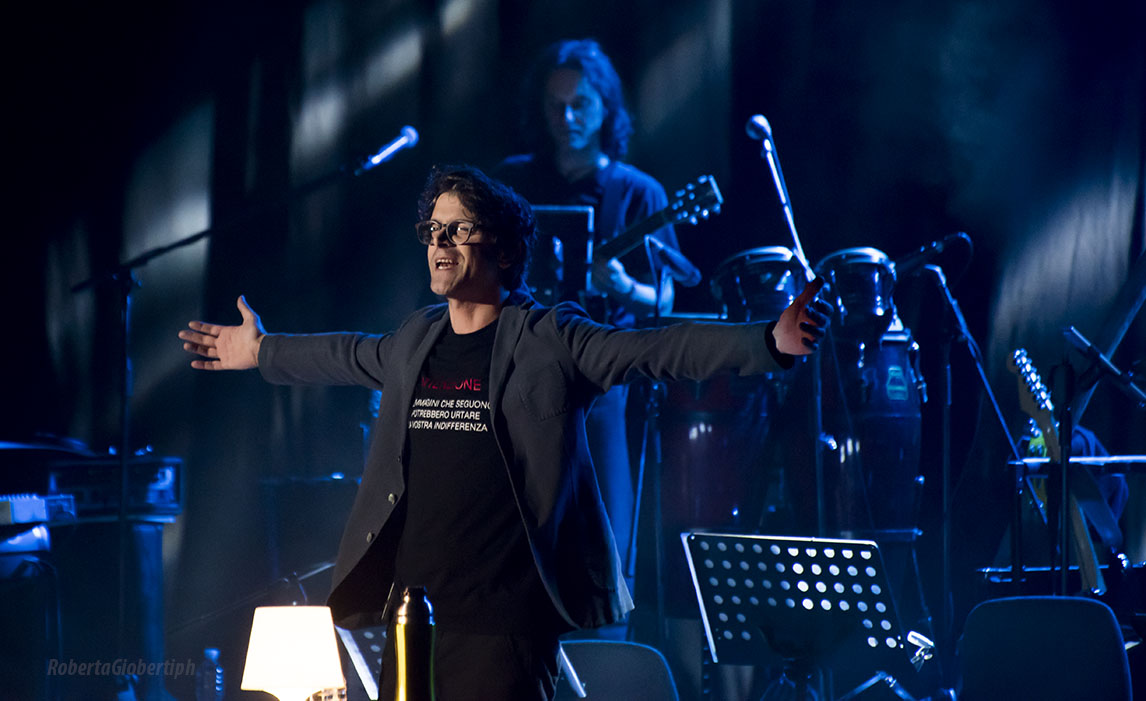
[{"x": 1035, "y": 400}]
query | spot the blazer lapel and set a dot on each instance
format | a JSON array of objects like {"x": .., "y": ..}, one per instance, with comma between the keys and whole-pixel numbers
[
  {"x": 510, "y": 324},
  {"x": 413, "y": 371}
]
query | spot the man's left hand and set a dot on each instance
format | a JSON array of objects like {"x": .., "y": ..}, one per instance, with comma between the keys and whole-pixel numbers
[{"x": 803, "y": 324}]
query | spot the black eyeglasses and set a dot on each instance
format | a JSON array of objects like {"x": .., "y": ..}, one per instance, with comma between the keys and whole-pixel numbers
[{"x": 457, "y": 232}]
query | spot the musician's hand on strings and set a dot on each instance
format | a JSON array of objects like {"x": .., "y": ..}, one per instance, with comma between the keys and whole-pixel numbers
[
  {"x": 803, "y": 324},
  {"x": 610, "y": 278},
  {"x": 226, "y": 347}
]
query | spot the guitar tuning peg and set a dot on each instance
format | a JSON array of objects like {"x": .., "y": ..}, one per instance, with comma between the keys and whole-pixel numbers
[
  {"x": 704, "y": 214},
  {"x": 692, "y": 220},
  {"x": 716, "y": 209},
  {"x": 690, "y": 187}
]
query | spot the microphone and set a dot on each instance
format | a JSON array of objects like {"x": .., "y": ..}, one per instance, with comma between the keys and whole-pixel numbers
[
  {"x": 758, "y": 128},
  {"x": 406, "y": 139},
  {"x": 680, "y": 268},
  {"x": 912, "y": 262},
  {"x": 1103, "y": 364}
]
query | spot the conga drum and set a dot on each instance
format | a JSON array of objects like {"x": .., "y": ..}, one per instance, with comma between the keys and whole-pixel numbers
[
  {"x": 757, "y": 284},
  {"x": 713, "y": 472},
  {"x": 872, "y": 405},
  {"x": 859, "y": 282}
]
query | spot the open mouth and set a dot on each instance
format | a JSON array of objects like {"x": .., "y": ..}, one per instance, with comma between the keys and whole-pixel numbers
[{"x": 444, "y": 264}]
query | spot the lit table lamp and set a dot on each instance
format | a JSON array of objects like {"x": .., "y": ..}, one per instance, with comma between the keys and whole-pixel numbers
[{"x": 292, "y": 653}]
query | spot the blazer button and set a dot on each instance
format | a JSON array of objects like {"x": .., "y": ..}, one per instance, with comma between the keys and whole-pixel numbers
[
  {"x": 393, "y": 498},
  {"x": 369, "y": 537}
]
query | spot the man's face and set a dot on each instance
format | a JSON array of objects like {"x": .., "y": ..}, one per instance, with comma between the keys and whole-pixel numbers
[
  {"x": 574, "y": 110},
  {"x": 468, "y": 272}
]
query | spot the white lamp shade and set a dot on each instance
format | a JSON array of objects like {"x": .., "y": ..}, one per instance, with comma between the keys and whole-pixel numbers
[{"x": 292, "y": 653}]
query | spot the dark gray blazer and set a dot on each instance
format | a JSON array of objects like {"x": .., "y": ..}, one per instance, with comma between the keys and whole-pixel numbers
[{"x": 549, "y": 364}]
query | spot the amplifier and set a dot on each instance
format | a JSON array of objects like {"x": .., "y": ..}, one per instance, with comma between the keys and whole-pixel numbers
[
  {"x": 154, "y": 487},
  {"x": 35, "y": 508}
]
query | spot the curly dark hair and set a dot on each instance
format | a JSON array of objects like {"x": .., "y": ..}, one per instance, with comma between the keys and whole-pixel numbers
[
  {"x": 586, "y": 56},
  {"x": 497, "y": 209}
]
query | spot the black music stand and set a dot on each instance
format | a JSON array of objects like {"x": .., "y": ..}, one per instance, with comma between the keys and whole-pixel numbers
[
  {"x": 364, "y": 647},
  {"x": 805, "y": 598},
  {"x": 559, "y": 267}
]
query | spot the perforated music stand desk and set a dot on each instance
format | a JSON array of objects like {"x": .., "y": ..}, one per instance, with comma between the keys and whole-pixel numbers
[{"x": 805, "y": 598}]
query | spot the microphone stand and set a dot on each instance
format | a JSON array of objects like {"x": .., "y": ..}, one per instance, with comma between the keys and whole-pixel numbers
[
  {"x": 759, "y": 128},
  {"x": 961, "y": 332},
  {"x": 769, "y": 154},
  {"x": 123, "y": 277},
  {"x": 1101, "y": 365},
  {"x": 1075, "y": 385},
  {"x": 651, "y": 442},
  {"x": 1060, "y": 552},
  {"x": 294, "y": 581}
]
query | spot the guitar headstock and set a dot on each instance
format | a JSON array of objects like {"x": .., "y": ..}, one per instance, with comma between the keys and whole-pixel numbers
[
  {"x": 698, "y": 200},
  {"x": 1035, "y": 400}
]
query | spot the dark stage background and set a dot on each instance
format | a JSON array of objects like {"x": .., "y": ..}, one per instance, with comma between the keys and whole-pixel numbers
[{"x": 131, "y": 126}]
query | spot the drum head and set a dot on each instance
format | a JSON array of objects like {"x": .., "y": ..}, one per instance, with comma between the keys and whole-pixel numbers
[
  {"x": 757, "y": 284},
  {"x": 860, "y": 282}
]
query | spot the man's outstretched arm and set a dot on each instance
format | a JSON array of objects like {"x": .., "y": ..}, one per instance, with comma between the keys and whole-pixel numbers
[{"x": 226, "y": 347}]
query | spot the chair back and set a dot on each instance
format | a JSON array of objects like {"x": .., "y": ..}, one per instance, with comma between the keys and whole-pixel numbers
[
  {"x": 617, "y": 671},
  {"x": 1043, "y": 647}
]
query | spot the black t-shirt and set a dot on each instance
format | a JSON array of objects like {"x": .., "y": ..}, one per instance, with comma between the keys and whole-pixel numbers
[{"x": 463, "y": 538}]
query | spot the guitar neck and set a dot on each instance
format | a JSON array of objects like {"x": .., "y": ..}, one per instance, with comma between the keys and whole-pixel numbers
[{"x": 631, "y": 238}]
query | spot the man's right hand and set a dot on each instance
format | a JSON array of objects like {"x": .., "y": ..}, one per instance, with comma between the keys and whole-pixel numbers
[{"x": 226, "y": 347}]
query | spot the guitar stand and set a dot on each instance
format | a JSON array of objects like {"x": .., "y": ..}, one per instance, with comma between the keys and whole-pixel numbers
[{"x": 804, "y": 598}]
